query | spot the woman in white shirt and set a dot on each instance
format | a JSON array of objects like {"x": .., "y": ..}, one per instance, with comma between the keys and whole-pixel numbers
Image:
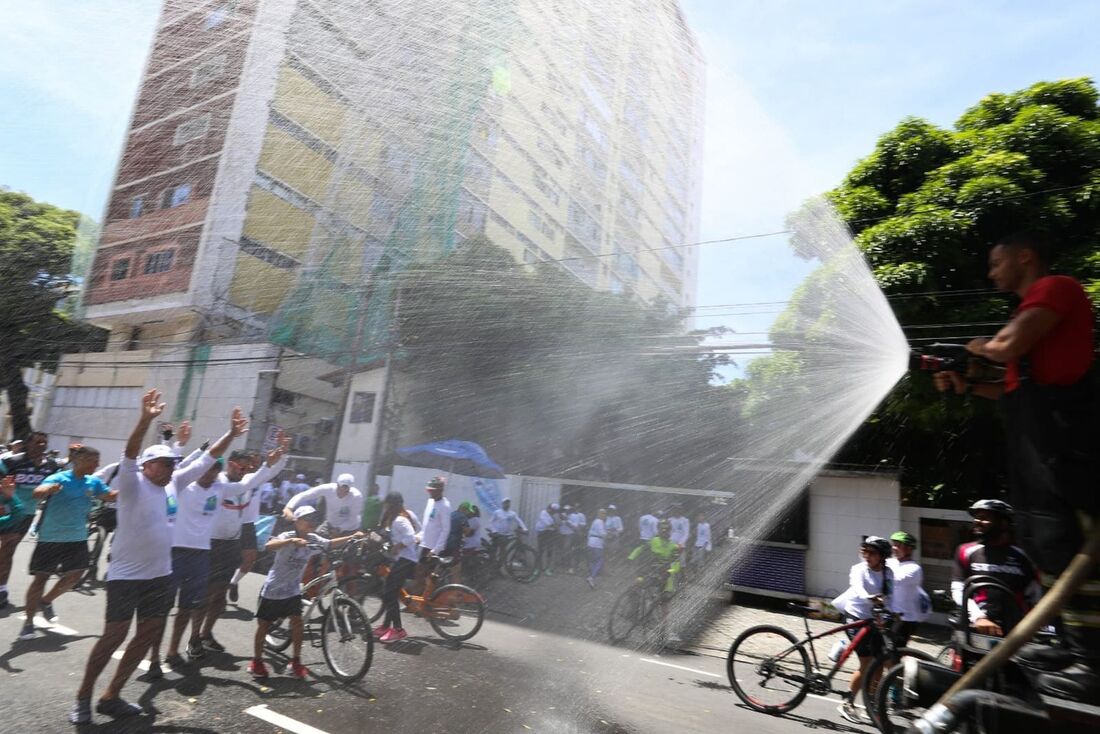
[{"x": 405, "y": 553}]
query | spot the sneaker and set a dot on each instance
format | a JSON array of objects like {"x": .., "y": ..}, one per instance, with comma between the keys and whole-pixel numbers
[
  {"x": 394, "y": 635},
  {"x": 234, "y": 595},
  {"x": 380, "y": 631},
  {"x": 297, "y": 670},
  {"x": 81, "y": 712},
  {"x": 155, "y": 672},
  {"x": 195, "y": 650},
  {"x": 257, "y": 670},
  {"x": 850, "y": 712},
  {"x": 175, "y": 662},
  {"x": 3, "y": 599},
  {"x": 47, "y": 612},
  {"x": 548, "y": 572},
  {"x": 118, "y": 708},
  {"x": 212, "y": 645},
  {"x": 28, "y": 632},
  {"x": 591, "y": 583}
]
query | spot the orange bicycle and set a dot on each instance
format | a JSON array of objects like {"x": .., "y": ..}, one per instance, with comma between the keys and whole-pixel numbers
[{"x": 454, "y": 611}]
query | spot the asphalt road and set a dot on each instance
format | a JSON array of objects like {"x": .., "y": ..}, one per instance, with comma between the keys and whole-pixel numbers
[{"x": 539, "y": 672}]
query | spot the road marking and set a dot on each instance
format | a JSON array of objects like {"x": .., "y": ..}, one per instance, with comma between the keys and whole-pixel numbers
[
  {"x": 264, "y": 713},
  {"x": 58, "y": 628},
  {"x": 117, "y": 655},
  {"x": 679, "y": 667}
]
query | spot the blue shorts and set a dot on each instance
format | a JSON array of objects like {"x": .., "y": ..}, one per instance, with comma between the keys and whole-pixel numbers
[{"x": 190, "y": 571}]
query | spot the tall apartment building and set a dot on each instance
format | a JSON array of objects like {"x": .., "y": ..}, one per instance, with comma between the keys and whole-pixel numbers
[{"x": 285, "y": 156}]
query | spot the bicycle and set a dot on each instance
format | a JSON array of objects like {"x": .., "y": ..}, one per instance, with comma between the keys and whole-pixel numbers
[
  {"x": 102, "y": 521},
  {"x": 455, "y": 611},
  {"x": 634, "y": 609},
  {"x": 783, "y": 670},
  {"x": 347, "y": 642},
  {"x": 514, "y": 558}
]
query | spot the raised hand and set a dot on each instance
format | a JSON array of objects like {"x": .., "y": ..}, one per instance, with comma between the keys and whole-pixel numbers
[
  {"x": 151, "y": 407},
  {"x": 238, "y": 424},
  {"x": 183, "y": 435},
  {"x": 282, "y": 445}
]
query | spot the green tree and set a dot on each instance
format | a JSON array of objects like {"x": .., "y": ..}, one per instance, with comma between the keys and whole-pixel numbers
[
  {"x": 555, "y": 378},
  {"x": 925, "y": 206},
  {"x": 36, "y": 248}
]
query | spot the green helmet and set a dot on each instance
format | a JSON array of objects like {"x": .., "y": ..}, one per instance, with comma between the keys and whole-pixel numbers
[
  {"x": 467, "y": 507},
  {"x": 904, "y": 538}
]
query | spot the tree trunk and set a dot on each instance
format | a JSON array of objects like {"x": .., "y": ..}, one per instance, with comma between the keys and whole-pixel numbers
[{"x": 11, "y": 380}]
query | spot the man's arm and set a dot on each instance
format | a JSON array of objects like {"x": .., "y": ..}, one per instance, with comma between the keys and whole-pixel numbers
[
  {"x": 1018, "y": 336},
  {"x": 238, "y": 426},
  {"x": 151, "y": 408},
  {"x": 309, "y": 497}
]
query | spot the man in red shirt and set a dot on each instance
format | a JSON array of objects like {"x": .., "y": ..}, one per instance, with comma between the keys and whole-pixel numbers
[{"x": 1050, "y": 409}]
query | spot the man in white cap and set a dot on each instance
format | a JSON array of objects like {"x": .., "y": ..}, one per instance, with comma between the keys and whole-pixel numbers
[
  {"x": 546, "y": 528},
  {"x": 343, "y": 506},
  {"x": 502, "y": 528},
  {"x": 614, "y": 528}
]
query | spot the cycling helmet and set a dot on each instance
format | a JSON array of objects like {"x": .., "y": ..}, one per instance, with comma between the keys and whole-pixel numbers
[
  {"x": 467, "y": 507},
  {"x": 904, "y": 538},
  {"x": 879, "y": 545},
  {"x": 997, "y": 506}
]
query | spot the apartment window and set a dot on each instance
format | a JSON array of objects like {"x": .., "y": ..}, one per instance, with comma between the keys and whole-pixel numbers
[
  {"x": 137, "y": 206},
  {"x": 120, "y": 269},
  {"x": 362, "y": 407},
  {"x": 209, "y": 70},
  {"x": 192, "y": 129},
  {"x": 175, "y": 196},
  {"x": 159, "y": 262}
]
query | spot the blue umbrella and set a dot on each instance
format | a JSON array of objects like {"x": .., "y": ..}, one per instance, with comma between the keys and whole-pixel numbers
[{"x": 454, "y": 456}]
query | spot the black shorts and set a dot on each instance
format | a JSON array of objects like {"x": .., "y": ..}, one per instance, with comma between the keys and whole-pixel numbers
[
  {"x": 903, "y": 631},
  {"x": 248, "y": 537},
  {"x": 51, "y": 558},
  {"x": 272, "y": 609},
  {"x": 871, "y": 644},
  {"x": 225, "y": 559},
  {"x": 148, "y": 597}
]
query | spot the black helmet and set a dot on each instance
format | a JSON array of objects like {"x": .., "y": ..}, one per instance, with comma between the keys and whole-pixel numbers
[
  {"x": 997, "y": 506},
  {"x": 880, "y": 545}
]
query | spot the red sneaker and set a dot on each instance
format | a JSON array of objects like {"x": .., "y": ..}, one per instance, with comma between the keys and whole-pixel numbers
[
  {"x": 394, "y": 635},
  {"x": 297, "y": 670},
  {"x": 257, "y": 669},
  {"x": 380, "y": 631}
]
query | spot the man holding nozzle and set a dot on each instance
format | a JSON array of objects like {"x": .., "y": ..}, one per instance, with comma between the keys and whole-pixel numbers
[{"x": 1049, "y": 403}]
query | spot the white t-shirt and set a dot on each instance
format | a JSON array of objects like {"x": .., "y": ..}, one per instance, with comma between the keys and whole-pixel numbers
[
  {"x": 142, "y": 548},
  {"x": 863, "y": 583},
  {"x": 614, "y": 525},
  {"x": 567, "y": 527},
  {"x": 679, "y": 530},
  {"x": 702, "y": 536},
  {"x": 647, "y": 526},
  {"x": 437, "y": 525},
  {"x": 197, "y": 507},
  {"x": 342, "y": 513},
  {"x": 403, "y": 539},
  {"x": 906, "y": 599},
  {"x": 235, "y": 500},
  {"x": 545, "y": 522},
  {"x": 596, "y": 533},
  {"x": 473, "y": 540},
  {"x": 505, "y": 522},
  {"x": 284, "y": 580}
]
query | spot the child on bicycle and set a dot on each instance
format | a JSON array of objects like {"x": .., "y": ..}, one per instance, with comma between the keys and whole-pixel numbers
[
  {"x": 281, "y": 595},
  {"x": 870, "y": 584}
]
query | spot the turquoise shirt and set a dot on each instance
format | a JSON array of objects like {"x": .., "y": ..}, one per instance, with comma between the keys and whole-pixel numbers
[{"x": 65, "y": 519}]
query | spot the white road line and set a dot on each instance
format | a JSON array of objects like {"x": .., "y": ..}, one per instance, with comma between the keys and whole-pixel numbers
[
  {"x": 58, "y": 628},
  {"x": 264, "y": 713},
  {"x": 679, "y": 667},
  {"x": 117, "y": 655}
]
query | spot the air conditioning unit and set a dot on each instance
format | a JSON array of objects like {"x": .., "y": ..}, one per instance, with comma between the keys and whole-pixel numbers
[{"x": 325, "y": 426}]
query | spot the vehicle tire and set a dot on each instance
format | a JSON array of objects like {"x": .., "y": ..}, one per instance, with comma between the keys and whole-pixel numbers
[
  {"x": 769, "y": 669},
  {"x": 366, "y": 590},
  {"x": 456, "y": 612},
  {"x": 871, "y": 677},
  {"x": 628, "y": 614},
  {"x": 346, "y": 640},
  {"x": 522, "y": 563}
]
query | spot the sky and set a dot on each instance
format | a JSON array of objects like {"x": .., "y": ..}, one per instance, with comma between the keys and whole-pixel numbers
[{"x": 797, "y": 92}]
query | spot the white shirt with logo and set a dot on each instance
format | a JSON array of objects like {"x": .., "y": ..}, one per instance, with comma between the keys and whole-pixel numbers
[{"x": 342, "y": 513}]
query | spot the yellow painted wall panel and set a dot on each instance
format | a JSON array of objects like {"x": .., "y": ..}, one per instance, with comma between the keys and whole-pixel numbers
[
  {"x": 307, "y": 104},
  {"x": 277, "y": 224},
  {"x": 258, "y": 286},
  {"x": 296, "y": 165}
]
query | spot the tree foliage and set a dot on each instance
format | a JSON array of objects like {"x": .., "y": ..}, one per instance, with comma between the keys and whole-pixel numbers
[
  {"x": 36, "y": 247},
  {"x": 553, "y": 377},
  {"x": 925, "y": 206}
]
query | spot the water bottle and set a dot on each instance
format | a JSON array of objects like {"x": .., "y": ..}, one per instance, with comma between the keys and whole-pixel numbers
[{"x": 837, "y": 649}]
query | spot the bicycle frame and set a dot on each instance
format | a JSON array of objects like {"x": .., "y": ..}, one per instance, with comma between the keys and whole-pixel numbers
[{"x": 863, "y": 625}]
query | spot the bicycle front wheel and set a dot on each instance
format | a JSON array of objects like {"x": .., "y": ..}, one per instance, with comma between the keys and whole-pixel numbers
[
  {"x": 455, "y": 612},
  {"x": 768, "y": 669},
  {"x": 346, "y": 640},
  {"x": 628, "y": 613},
  {"x": 893, "y": 714},
  {"x": 873, "y": 674},
  {"x": 522, "y": 563},
  {"x": 366, "y": 590}
]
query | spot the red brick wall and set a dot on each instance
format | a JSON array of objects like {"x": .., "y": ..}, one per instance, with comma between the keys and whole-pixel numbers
[{"x": 137, "y": 285}]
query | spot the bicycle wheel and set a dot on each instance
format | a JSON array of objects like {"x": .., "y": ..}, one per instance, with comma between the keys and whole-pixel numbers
[
  {"x": 871, "y": 677},
  {"x": 895, "y": 716},
  {"x": 366, "y": 590},
  {"x": 346, "y": 640},
  {"x": 522, "y": 563},
  {"x": 628, "y": 614},
  {"x": 455, "y": 612},
  {"x": 769, "y": 669}
]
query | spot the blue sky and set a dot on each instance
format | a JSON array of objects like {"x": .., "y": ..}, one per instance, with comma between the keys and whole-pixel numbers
[{"x": 797, "y": 92}]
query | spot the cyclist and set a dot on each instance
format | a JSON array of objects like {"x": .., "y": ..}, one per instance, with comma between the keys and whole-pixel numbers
[
  {"x": 502, "y": 529},
  {"x": 663, "y": 558},
  {"x": 403, "y": 550},
  {"x": 909, "y": 601},
  {"x": 870, "y": 583},
  {"x": 993, "y": 554},
  {"x": 28, "y": 468}
]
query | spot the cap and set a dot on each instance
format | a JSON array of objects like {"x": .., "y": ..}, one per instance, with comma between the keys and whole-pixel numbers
[
  {"x": 555, "y": 506},
  {"x": 345, "y": 479},
  {"x": 467, "y": 506},
  {"x": 612, "y": 507},
  {"x": 304, "y": 511},
  {"x": 436, "y": 483},
  {"x": 300, "y": 476},
  {"x": 158, "y": 451},
  {"x": 904, "y": 538},
  {"x": 506, "y": 499}
]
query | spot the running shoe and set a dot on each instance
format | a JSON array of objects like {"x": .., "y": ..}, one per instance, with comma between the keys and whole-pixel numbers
[
  {"x": 118, "y": 708},
  {"x": 380, "y": 631},
  {"x": 176, "y": 661},
  {"x": 257, "y": 670},
  {"x": 213, "y": 645},
  {"x": 850, "y": 712},
  {"x": 297, "y": 670},
  {"x": 394, "y": 635},
  {"x": 155, "y": 672},
  {"x": 28, "y": 632},
  {"x": 591, "y": 583},
  {"x": 47, "y": 612},
  {"x": 3, "y": 599},
  {"x": 195, "y": 649},
  {"x": 81, "y": 712}
]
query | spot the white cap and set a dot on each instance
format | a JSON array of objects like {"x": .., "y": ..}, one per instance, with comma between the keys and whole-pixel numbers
[
  {"x": 612, "y": 507},
  {"x": 300, "y": 476},
  {"x": 345, "y": 479},
  {"x": 303, "y": 511},
  {"x": 554, "y": 506},
  {"x": 158, "y": 451},
  {"x": 506, "y": 499}
]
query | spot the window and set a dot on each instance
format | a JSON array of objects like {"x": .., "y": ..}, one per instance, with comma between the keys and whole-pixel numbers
[
  {"x": 159, "y": 262},
  {"x": 175, "y": 196},
  {"x": 120, "y": 269},
  {"x": 137, "y": 206},
  {"x": 362, "y": 408},
  {"x": 209, "y": 70},
  {"x": 192, "y": 129}
]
